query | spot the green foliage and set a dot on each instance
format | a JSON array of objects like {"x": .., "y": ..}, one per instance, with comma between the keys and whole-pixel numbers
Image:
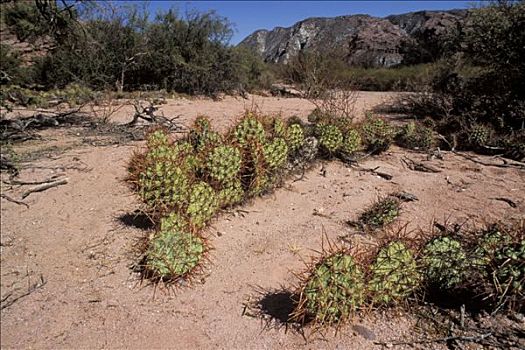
[
  {"x": 489, "y": 243},
  {"x": 224, "y": 163},
  {"x": 377, "y": 134},
  {"x": 279, "y": 128},
  {"x": 445, "y": 263},
  {"x": 175, "y": 251},
  {"x": 478, "y": 135},
  {"x": 381, "y": 213},
  {"x": 394, "y": 274},
  {"x": 330, "y": 138},
  {"x": 275, "y": 153},
  {"x": 334, "y": 290},
  {"x": 294, "y": 137},
  {"x": 351, "y": 141},
  {"x": 202, "y": 205}
]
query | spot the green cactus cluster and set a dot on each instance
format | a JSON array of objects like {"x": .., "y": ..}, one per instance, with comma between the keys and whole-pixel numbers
[
  {"x": 351, "y": 141},
  {"x": 478, "y": 135},
  {"x": 294, "y": 137},
  {"x": 175, "y": 251},
  {"x": 224, "y": 163},
  {"x": 164, "y": 185},
  {"x": 394, "y": 274},
  {"x": 330, "y": 138},
  {"x": 381, "y": 213},
  {"x": 491, "y": 240},
  {"x": 334, "y": 290},
  {"x": 249, "y": 129},
  {"x": 231, "y": 193},
  {"x": 202, "y": 205},
  {"x": 377, "y": 133},
  {"x": 279, "y": 128},
  {"x": 509, "y": 268},
  {"x": 445, "y": 263},
  {"x": 275, "y": 153},
  {"x": 416, "y": 136}
]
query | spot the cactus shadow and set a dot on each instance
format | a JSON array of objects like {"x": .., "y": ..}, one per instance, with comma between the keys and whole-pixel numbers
[
  {"x": 278, "y": 306},
  {"x": 137, "y": 219}
]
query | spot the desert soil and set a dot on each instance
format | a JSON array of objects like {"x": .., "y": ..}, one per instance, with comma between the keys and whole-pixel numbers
[{"x": 73, "y": 248}]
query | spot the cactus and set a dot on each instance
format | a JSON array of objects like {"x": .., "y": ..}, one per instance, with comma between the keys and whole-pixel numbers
[
  {"x": 174, "y": 252},
  {"x": 478, "y": 135},
  {"x": 334, "y": 290},
  {"x": 275, "y": 153},
  {"x": 377, "y": 134},
  {"x": 157, "y": 138},
  {"x": 231, "y": 193},
  {"x": 351, "y": 142},
  {"x": 394, "y": 274},
  {"x": 330, "y": 138},
  {"x": 416, "y": 136},
  {"x": 294, "y": 137},
  {"x": 203, "y": 204},
  {"x": 509, "y": 269},
  {"x": 279, "y": 128},
  {"x": 381, "y": 213},
  {"x": 224, "y": 163},
  {"x": 491, "y": 241},
  {"x": 163, "y": 185},
  {"x": 444, "y": 262},
  {"x": 249, "y": 129}
]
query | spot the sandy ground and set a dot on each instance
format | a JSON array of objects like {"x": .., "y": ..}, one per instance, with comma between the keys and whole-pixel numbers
[{"x": 75, "y": 243}]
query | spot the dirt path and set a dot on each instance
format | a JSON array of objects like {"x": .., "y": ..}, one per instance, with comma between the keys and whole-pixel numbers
[{"x": 79, "y": 238}]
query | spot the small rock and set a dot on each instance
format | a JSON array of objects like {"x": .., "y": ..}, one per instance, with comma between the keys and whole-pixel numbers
[{"x": 364, "y": 332}]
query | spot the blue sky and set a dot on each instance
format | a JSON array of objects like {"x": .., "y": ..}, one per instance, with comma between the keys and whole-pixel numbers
[{"x": 248, "y": 16}]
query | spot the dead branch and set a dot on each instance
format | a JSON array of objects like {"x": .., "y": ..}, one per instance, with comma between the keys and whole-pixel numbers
[
  {"x": 37, "y": 285},
  {"x": 506, "y": 200},
  {"x": 417, "y": 166},
  {"x": 44, "y": 187},
  {"x": 375, "y": 172},
  {"x": 147, "y": 113},
  {"x": 22, "y": 183},
  {"x": 472, "y": 339},
  {"x": 16, "y": 201},
  {"x": 506, "y": 163}
]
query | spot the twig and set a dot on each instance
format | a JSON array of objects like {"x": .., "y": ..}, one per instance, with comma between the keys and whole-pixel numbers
[
  {"x": 44, "y": 187},
  {"x": 18, "y": 182},
  {"x": 417, "y": 166},
  {"x": 31, "y": 289},
  {"x": 378, "y": 173},
  {"x": 438, "y": 340},
  {"x": 10, "y": 199},
  {"x": 506, "y": 200},
  {"x": 506, "y": 163}
]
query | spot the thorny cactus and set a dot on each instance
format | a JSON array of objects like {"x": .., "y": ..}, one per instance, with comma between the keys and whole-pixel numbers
[
  {"x": 203, "y": 204},
  {"x": 224, "y": 163},
  {"x": 295, "y": 137},
  {"x": 231, "y": 193},
  {"x": 378, "y": 134},
  {"x": 394, "y": 274},
  {"x": 509, "y": 269},
  {"x": 478, "y": 135},
  {"x": 330, "y": 138},
  {"x": 275, "y": 153},
  {"x": 334, "y": 290},
  {"x": 444, "y": 262},
  {"x": 174, "y": 252},
  {"x": 164, "y": 185},
  {"x": 279, "y": 128},
  {"x": 351, "y": 142},
  {"x": 381, "y": 213},
  {"x": 249, "y": 129},
  {"x": 416, "y": 136},
  {"x": 491, "y": 241}
]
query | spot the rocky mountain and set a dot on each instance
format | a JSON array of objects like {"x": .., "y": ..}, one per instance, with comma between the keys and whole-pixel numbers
[{"x": 360, "y": 39}]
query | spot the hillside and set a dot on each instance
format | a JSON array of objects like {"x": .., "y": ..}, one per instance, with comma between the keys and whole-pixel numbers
[{"x": 360, "y": 39}]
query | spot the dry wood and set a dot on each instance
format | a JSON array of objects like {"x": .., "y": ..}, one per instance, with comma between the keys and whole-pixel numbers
[
  {"x": 378, "y": 173},
  {"x": 506, "y": 200},
  {"x": 418, "y": 166},
  {"x": 506, "y": 162},
  {"x": 10, "y": 199},
  {"x": 39, "y": 284},
  {"x": 44, "y": 187},
  {"x": 472, "y": 339}
]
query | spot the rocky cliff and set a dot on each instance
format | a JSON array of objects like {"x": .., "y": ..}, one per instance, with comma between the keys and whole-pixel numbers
[{"x": 359, "y": 39}]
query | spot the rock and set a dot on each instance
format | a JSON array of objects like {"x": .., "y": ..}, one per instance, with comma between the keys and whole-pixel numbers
[{"x": 364, "y": 332}]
